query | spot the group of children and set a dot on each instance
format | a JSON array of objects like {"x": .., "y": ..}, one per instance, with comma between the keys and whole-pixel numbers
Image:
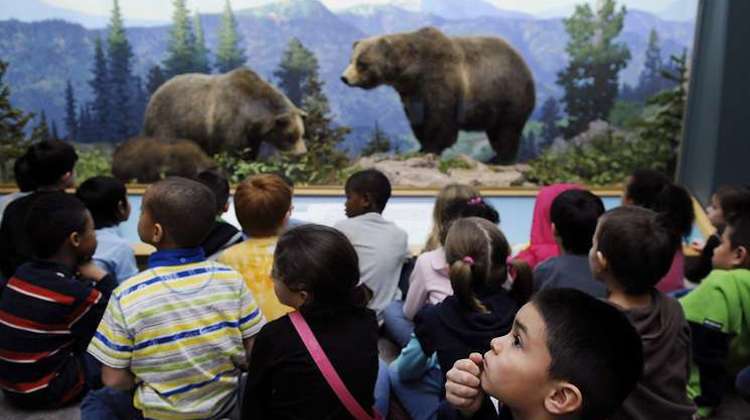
[{"x": 282, "y": 319}]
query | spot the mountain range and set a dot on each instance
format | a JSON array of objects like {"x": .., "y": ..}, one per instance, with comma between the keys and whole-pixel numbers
[{"x": 44, "y": 55}]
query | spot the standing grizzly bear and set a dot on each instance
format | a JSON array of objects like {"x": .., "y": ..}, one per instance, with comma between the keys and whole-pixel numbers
[
  {"x": 227, "y": 112},
  {"x": 450, "y": 84}
]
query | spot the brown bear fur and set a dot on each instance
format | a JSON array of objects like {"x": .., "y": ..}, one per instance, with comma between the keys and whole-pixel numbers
[
  {"x": 234, "y": 112},
  {"x": 146, "y": 159},
  {"x": 448, "y": 84}
]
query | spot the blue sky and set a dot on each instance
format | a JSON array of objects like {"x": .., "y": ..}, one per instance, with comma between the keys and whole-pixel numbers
[{"x": 162, "y": 9}]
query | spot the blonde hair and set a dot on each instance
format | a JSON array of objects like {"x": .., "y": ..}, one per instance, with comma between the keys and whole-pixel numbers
[{"x": 447, "y": 195}]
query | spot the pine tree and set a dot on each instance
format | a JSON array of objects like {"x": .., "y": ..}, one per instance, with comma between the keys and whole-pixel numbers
[
  {"x": 41, "y": 130},
  {"x": 201, "y": 63},
  {"x": 84, "y": 125},
  {"x": 590, "y": 80},
  {"x": 54, "y": 134},
  {"x": 155, "y": 79},
  {"x": 550, "y": 120},
  {"x": 181, "y": 48},
  {"x": 378, "y": 143},
  {"x": 296, "y": 69},
  {"x": 650, "y": 80},
  {"x": 140, "y": 101},
  {"x": 528, "y": 149},
  {"x": 120, "y": 56},
  {"x": 229, "y": 54},
  {"x": 100, "y": 107},
  {"x": 12, "y": 124},
  {"x": 71, "y": 120}
]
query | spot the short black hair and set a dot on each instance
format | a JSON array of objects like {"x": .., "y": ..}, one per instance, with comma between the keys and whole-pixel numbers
[
  {"x": 583, "y": 329},
  {"x": 654, "y": 190},
  {"x": 23, "y": 175},
  {"x": 739, "y": 224},
  {"x": 733, "y": 199},
  {"x": 102, "y": 195},
  {"x": 638, "y": 245},
  {"x": 186, "y": 209},
  {"x": 217, "y": 182},
  {"x": 51, "y": 219},
  {"x": 50, "y": 160},
  {"x": 575, "y": 213},
  {"x": 373, "y": 184},
  {"x": 460, "y": 208}
]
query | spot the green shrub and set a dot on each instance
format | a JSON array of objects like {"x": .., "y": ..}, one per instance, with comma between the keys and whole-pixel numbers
[{"x": 93, "y": 161}]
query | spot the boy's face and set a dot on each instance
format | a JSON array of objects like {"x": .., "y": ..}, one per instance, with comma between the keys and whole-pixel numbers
[
  {"x": 715, "y": 214},
  {"x": 86, "y": 241},
  {"x": 725, "y": 257},
  {"x": 148, "y": 230},
  {"x": 356, "y": 204},
  {"x": 516, "y": 369}
]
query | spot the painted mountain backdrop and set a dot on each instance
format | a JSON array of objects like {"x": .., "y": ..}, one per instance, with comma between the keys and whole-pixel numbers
[{"x": 44, "y": 55}]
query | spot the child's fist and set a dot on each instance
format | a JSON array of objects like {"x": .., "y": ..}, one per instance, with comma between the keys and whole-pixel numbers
[{"x": 463, "y": 388}]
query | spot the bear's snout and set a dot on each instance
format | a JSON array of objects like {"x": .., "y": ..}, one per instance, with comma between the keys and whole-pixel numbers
[{"x": 345, "y": 80}]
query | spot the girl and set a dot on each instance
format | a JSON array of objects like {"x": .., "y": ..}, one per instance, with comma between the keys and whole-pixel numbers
[
  {"x": 316, "y": 272},
  {"x": 448, "y": 194},
  {"x": 476, "y": 252}
]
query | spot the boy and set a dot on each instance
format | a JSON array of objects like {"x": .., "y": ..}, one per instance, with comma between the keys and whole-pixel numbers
[
  {"x": 632, "y": 250},
  {"x": 573, "y": 214},
  {"x": 52, "y": 166},
  {"x": 568, "y": 356},
  {"x": 262, "y": 204},
  {"x": 173, "y": 332},
  {"x": 51, "y": 306},
  {"x": 24, "y": 181},
  {"x": 381, "y": 245},
  {"x": 107, "y": 200},
  {"x": 222, "y": 235},
  {"x": 718, "y": 312}
]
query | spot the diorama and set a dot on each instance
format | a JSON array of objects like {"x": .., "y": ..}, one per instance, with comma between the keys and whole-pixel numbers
[{"x": 493, "y": 93}]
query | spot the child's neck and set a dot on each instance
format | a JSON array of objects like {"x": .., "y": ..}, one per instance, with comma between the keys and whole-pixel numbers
[
  {"x": 63, "y": 258},
  {"x": 625, "y": 300},
  {"x": 538, "y": 415}
]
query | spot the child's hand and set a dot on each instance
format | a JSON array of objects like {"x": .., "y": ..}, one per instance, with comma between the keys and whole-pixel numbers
[
  {"x": 463, "y": 388},
  {"x": 91, "y": 271}
]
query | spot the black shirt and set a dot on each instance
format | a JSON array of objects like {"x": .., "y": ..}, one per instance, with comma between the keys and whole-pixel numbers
[
  {"x": 15, "y": 245},
  {"x": 222, "y": 235},
  {"x": 285, "y": 383}
]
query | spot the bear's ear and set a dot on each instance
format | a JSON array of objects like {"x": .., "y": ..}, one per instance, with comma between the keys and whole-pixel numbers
[
  {"x": 354, "y": 45},
  {"x": 302, "y": 114}
]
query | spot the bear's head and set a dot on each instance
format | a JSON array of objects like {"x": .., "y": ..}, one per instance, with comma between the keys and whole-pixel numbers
[
  {"x": 373, "y": 63},
  {"x": 287, "y": 131}
]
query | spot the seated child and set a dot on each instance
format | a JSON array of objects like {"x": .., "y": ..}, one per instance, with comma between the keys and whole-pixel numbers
[
  {"x": 654, "y": 190},
  {"x": 381, "y": 245},
  {"x": 429, "y": 282},
  {"x": 222, "y": 235},
  {"x": 448, "y": 194},
  {"x": 479, "y": 309},
  {"x": 316, "y": 272},
  {"x": 263, "y": 205},
  {"x": 632, "y": 249},
  {"x": 51, "y": 306},
  {"x": 107, "y": 200},
  {"x": 574, "y": 214},
  {"x": 542, "y": 244},
  {"x": 718, "y": 312},
  {"x": 568, "y": 356},
  {"x": 175, "y": 333},
  {"x": 24, "y": 182},
  {"x": 726, "y": 200},
  {"x": 52, "y": 165}
]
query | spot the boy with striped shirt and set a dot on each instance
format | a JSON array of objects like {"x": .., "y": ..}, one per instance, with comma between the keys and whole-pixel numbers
[{"x": 177, "y": 332}]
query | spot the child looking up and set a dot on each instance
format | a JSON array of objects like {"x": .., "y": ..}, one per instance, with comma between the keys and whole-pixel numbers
[
  {"x": 568, "y": 356},
  {"x": 718, "y": 311},
  {"x": 222, "y": 235},
  {"x": 381, "y": 245},
  {"x": 50, "y": 308},
  {"x": 316, "y": 272},
  {"x": 632, "y": 249},
  {"x": 263, "y": 205},
  {"x": 107, "y": 200}
]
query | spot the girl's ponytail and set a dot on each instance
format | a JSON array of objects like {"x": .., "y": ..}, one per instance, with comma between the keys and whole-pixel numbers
[{"x": 462, "y": 282}]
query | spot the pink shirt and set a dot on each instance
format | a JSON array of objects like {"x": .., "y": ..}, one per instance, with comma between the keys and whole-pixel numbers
[
  {"x": 428, "y": 283},
  {"x": 675, "y": 278}
]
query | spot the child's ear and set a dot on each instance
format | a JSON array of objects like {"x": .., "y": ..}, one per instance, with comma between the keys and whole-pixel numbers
[
  {"x": 565, "y": 398},
  {"x": 741, "y": 256},
  {"x": 602, "y": 261},
  {"x": 75, "y": 239},
  {"x": 158, "y": 233}
]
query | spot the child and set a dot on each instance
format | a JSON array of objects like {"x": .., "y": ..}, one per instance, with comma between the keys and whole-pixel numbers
[
  {"x": 429, "y": 282},
  {"x": 52, "y": 166},
  {"x": 24, "y": 181},
  {"x": 568, "y": 356},
  {"x": 263, "y": 205},
  {"x": 653, "y": 190},
  {"x": 718, "y": 311},
  {"x": 542, "y": 244},
  {"x": 448, "y": 194},
  {"x": 222, "y": 235},
  {"x": 51, "y": 306},
  {"x": 632, "y": 249},
  {"x": 381, "y": 245},
  {"x": 175, "y": 332},
  {"x": 726, "y": 200},
  {"x": 479, "y": 309},
  {"x": 574, "y": 214},
  {"x": 107, "y": 200},
  {"x": 316, "y": 272}
]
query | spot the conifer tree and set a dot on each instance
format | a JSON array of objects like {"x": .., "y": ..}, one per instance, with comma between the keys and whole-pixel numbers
[
  {"x": 140, "y": 101},
  {"x": 181, "y": 48},
  {"x": 71, "y": 120},
  {"x": 54, "y": 134},
  {"x": 12, "y": 123},
  {"x": 155, "y": 79},
  {"x": 120, "y": 55},
  {"x": 550, "y": 120},
  {"x": 297, "y": 67},
  {"x": 41, "y": 130},
  {"x": 378, "y": 143},
  {"x": 84, "y": 124},
  {"x": 590, "y": 80},
  {"x": 229, "y": 53},
  {"x": 100, "y": 107},
  {"x": 202, "y": 64},
  {"x": 650, "y": 80}
]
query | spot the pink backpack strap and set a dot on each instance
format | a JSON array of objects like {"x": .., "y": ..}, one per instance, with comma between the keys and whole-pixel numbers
[{"x": 329, "y": 373}]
